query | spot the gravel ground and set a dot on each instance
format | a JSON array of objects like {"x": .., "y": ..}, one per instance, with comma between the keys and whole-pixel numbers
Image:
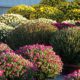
[{"x": 59, "y": 78}]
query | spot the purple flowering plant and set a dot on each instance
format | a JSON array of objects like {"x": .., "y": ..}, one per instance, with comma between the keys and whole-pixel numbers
[{"x": 62, "y": 25}]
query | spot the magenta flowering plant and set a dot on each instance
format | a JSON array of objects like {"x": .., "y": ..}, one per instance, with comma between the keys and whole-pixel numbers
[
  {"x": 62, "y": 25},
  {"x": 15, "y": 67},
  {"x": 47, "y": 62},
  {"x": 75, "y": 75}
]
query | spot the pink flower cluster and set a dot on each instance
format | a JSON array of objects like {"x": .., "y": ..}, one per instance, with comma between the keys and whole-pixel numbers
[
  {"x": 74, "y": 75},
  {"x": 43, "y": 57},
  {"x": 13, "y": 65}
]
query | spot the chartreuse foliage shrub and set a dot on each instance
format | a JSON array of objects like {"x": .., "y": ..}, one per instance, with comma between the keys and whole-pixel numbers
[
  {"x": 73, "y": 14},
  {"x": 66, "y": 43},
  {"x": 15, "y": 67},
  {"x": 12, "y": 19},
  {"x": 47, "y": 62},
  {"x": 51, "y": 2},
  {"x": 48, "y": 12},
  {"x": 24, "y": 10},
  {"x": 31, "y": 32},
  {"x": 37, "y": 11},
  {"x": 64, "y": 6},
  {"x": 4, "y": 30}
]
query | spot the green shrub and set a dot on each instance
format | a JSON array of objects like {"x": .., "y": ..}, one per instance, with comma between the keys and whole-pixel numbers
[
  {"x": 51, "y": 2},
  {"x": 31, "y": 32},
  {"x": 67, "y": 44},
  {"x": 48, "y": 12},
  {"x": 24, "y": 10},
  {"x": 12, "y": 19},
  {"x": 4, "y": 30},
  {"x": 64, "y": 6},
  {"x": 73, "y": 14}
]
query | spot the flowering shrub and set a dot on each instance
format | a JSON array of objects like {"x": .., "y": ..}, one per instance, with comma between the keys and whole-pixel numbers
[
  {"x": 63, "y": 25},
  {"x": 14, "y": 67},
  {"x": 4, "y": 30},
  {"x": 30, "y": 33},
  {"x": 73, "y": 76},
  {"x": 4, "y": 47},
  {"x": 66, "y": 43},
  {"x": 24, "y": 10},
  {"x": 48, "y": 63},
  {"x": 12, "y": 19}
]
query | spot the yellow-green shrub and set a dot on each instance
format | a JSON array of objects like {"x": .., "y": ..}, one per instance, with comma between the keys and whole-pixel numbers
[
  {"x": 48, "y": 12},
  {"x": 24, "y": 10},
  {"x": 73, "y": 14}
]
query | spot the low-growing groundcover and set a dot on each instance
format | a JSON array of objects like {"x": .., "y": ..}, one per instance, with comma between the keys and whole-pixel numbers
[{"x": 47, "y": 62}]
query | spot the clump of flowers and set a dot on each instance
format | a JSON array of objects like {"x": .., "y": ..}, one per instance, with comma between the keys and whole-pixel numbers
[
  {"x": 75, "y": 75},
  {"x": 63, "y": 25},
  {"x": 12, "y": 19},
  {"x": 14, "y": 67},
  {"x": 4, "y": 47},
  {"x": 47, "y": 62}
]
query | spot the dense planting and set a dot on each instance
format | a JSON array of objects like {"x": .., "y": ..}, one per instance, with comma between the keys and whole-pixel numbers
[
  {"x": 14, "y": 67},
  {"x": 66, "y": 43},
  {"x": 30, "y": 33},
  {"x": 24, "y": 10},
  {"x": 12, "y": 19},
  {"x": 48, "y": 63},
  {"x": 29, "y": 30},
  {"x": 4, "y": 30}
]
